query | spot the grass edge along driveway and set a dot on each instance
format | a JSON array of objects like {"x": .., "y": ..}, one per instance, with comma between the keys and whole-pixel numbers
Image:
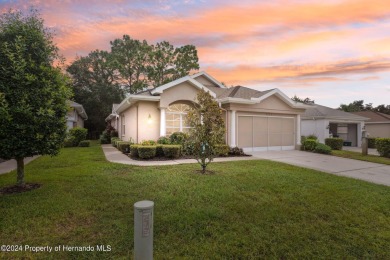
[{"x": 246, "y": 209}]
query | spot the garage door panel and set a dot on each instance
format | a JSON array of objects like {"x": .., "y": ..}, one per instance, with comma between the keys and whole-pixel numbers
[
  {"x": 245, "y": 131},
  {"x": 274, "y": 125},
  {"x": 288, "y": 140},
  {"x": 275, "y": 139},
  {"x": 288, "y": 125},
  {"x": 260, "y": 124}
]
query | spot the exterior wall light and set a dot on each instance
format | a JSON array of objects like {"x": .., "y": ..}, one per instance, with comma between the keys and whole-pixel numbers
[{"x": 149, "y": 119}]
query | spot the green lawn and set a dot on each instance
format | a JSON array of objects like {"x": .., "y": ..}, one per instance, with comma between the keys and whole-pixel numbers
[
  {"x": 247, "y": 209},
  {"x": 359, "y": 156}
]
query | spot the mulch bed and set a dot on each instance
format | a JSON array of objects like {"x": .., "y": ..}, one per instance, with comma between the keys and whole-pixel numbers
[
  {"x": 182, "y": 157},
  {"x": 18, "y": 189}
]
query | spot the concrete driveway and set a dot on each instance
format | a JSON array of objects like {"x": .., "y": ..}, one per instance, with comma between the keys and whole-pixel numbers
[{"x": 372, "y": 172}]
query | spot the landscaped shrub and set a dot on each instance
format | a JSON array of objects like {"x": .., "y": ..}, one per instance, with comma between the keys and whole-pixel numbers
[
  {"x": 222, "y": 150},
  {"x": 159, "y": 150},
  {"x": 163, "y": 140},
  {"x": 312, "y": 137},
  {"x": 178, "y": 138},
  {"x": 383, "y": 146},
  {"x": 236, "y": 151},
  {"x": 84, "y": 143},
  {"x": 79, "y": 134},
  {"x": 122, "y": 146},
  {"x": 322, "y": 148},
  {"x": 172, "y": 151},
  {"x": 187, "y": 148},
  {"x": 371, "y": 142},
  {"x": 146, "y": 152},
  {"x": 334, "y": 143},
  {"x": 114, "y": 133},
  {"x": 113, "y": 139},
  {"x": 69, "y": 141},
  {"x": 309, "y": 145},
  {"x": 148, "y": 142},
  {"x": 134, "y": 150},
  {"x": 105, "y": 137}
]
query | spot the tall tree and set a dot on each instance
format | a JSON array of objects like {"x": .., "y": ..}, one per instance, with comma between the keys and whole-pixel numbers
[
  {"x": 207, "y": 128},
  {"x": 96, "y": 87},
  {"x": 33, "y": 92},
  {"x": 131, "y": 58},
  {"x": 305, "y": 101},
  {"x": 356, "y": 106},
  {"x": 167, "y": 63},
  {"x": 383, "y": 109}
]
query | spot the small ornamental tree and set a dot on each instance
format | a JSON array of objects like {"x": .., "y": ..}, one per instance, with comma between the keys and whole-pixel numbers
[
  {"x": 33, "y": 93},
  {"x": 207, "y": 128}
]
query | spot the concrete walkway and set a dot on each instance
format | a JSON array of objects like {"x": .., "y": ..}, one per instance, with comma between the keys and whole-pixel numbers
[
  {"x": 114, "y": 155},
  {"x": 371, "y": 172},
  {"x": 10, "y": 165},
  {"x": 371, "y": 151}
]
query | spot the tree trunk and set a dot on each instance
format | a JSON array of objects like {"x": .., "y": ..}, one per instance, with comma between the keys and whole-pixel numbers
[
  {"x": 203, "y": 168},
  {"x": 20, "y": 172}
]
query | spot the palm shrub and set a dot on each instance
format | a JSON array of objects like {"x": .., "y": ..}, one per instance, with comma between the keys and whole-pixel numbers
[{"x": 334, "y": 143}]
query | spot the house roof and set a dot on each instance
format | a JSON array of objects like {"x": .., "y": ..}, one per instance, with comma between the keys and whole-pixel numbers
[
  {"x": 318, "y": 111},
  {"x": 79, "y": 108},
  {"x": 374, "y": 116}
]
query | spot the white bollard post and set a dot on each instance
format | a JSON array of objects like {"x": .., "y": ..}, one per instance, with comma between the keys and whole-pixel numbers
[{"x": 143, "y": 230}]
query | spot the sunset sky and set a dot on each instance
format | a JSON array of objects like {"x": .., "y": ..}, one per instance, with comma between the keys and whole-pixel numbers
[{"x": 333, "y": 51}]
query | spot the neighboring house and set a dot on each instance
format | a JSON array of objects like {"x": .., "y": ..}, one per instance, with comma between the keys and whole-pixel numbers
[
  {"x": 76, "y": 115},
  {"x": 113, "y": 118},
  {"x": 378, "y": 124},
  {"x": 325, "y": 122},
  {"x": 254, "y": 120}
]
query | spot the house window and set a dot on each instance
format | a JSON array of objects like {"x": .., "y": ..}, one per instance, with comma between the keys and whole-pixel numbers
[
  {"x": 123, "y": 125},
  {"x": 176, "y": 118}
]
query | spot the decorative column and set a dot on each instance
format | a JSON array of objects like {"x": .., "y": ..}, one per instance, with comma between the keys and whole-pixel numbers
[
  {"x": 162, "y": 122},
  {"x": 298, "y": 141},
  {"x": 233, "y": 129}
]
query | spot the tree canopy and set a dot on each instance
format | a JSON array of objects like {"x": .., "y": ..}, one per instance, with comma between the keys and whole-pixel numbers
[
  {"x": 358, "y": 105},
  {"x": 103, "y": 78},
  {"x": 33, "y": 93},
  {"x": 305, "y": 101}
]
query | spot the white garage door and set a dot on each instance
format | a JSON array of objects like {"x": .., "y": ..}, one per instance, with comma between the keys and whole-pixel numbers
[{"x": 261, "y": 133}]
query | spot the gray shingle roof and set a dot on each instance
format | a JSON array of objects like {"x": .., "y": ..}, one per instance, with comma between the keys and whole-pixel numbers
[
  {"x": 374, "y": 116},
  {"x": 327, "y": 112}
]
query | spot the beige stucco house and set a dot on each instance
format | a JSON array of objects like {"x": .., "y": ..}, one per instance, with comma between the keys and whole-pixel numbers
[
  {"x": 76, "y": 115},
  {"x": 254, "y": 120},
  {"x": 378, "y": 124}
]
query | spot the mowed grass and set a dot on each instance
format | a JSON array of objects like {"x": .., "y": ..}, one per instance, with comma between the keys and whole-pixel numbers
[
  {"x": 247, "y": 209},
  {"x": 359, "y": 156}
]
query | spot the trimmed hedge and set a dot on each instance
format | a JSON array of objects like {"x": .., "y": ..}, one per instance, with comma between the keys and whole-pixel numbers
[
  {"x": 171, "y": 151},
  {"x": 222, "y": 150},
  {"x": 334, "y": 143},
  {"x": 84, "y": 143},
  {"x": 371, "y": 142},
  {"x": 159, "y": 150},
  {"x": 383, "y": 146},
  {"x": 146, "y": 152},
  {"x": 79, "y": 134},
  {"x": 122, "y": 146},
  {"x": 134, "y": 150},
  {"x": 309, "y": 145},
  {"x": 322, "y": 148}
]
